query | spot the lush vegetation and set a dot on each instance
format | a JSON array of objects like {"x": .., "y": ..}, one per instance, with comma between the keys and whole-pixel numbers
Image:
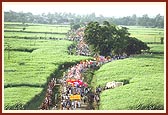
[
  {"x": 145, "y": 20},
  {"x": 110, "y": 40},
  {"x": 35, "y": 31},
  {"x": 37, "y": 28},
  {"x": 69, "y": 18},
  {"x": 28, "y": 66},
  {"x": 18, "y": 97},
  {"x": 143, "y": 76},
  {"x": 31, "y": 58},
  {"x": 147, "y": 35}
]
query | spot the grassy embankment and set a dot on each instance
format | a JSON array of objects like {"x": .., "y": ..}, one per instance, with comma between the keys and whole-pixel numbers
[{"x": 143, "y": 76}]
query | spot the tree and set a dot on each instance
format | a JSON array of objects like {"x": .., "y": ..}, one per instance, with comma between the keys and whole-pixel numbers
[
  {"x": 120, "y": 41},
  {"x": 67, "y": 18},
  {"x": 92, "y": 35},
  {"x": 106, "y": 31},
  {"x": 24, "y": 28},
  {"x": 135, "y": 46},
  {"x": 75, "y": 26},
  {"x": 161, "y": 40},
  {"x": 108, "y": 38},
  {"x": 159, "y": 21},
  {"x": 100, "y": 37}
]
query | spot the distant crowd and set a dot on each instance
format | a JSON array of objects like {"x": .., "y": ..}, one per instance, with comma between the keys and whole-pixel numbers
[{"x": 81, "y": 48}]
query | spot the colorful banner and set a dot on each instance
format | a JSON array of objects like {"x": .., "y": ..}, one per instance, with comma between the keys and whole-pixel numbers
[{"x": 75, "y": 97}]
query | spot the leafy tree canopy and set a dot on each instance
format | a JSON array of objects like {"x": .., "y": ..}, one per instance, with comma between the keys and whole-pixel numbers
[{"x": 107, "y": 39}]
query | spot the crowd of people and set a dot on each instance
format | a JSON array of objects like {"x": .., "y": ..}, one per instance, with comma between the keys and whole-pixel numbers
[
  {"x": 47, "y": 103},
  {"x": 81, "y": 48},
  {"x": 75, "y": 91}
]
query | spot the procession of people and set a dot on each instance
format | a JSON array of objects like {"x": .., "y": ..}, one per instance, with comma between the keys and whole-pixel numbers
[{"x": 74, "y": 91}]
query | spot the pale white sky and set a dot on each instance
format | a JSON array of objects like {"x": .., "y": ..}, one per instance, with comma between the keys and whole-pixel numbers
[{"x": 109, "y": 9}]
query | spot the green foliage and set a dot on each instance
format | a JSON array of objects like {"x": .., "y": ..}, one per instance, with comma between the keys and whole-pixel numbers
[
  {"x": 32, "y": 63},
  {"x": 156, "y": 48},
  {"x": 108, "y": 38},
  {"x": 100, "y": 37},
  {"x": 149, "y": 106},
  {"x": 17, "y": 106},
  {"x": 68, "y": 18},
  {"x": 35, "y": 31},
  {"x": 17, "y": 97},
  {"x": 72, "y": 48},
  {"x": 135, "y": 46},
  {"x": 161, "y": 40},
  {"x": 24, "y": 28},
  {"x": 147, "y": 35},
  {"x": 21, "y": 63},
  {"x": 75, "y": 26},
  {"x": 88, "y": 77},
  {"x": 144, "y": 81}
]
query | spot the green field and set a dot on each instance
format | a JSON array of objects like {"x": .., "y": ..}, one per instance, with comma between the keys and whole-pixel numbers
[
  {"x": 35, "y": 30},
  {"x": 28, "y": 64},
  {"x": 30, "y": 61},
  {"x": 148, "y": 35},
  {"x": 32, "y": 35},
  {"x": 20, "y": 95},
  {"x": 144, "y": 78}
]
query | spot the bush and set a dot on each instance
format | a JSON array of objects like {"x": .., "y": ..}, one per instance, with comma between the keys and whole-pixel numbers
[
  {"x": 21, "y": 63},
  {"x": 135, "y": 46}
]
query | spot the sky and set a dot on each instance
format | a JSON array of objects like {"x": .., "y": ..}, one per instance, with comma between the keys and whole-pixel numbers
[{"x": 111, "y": 9}]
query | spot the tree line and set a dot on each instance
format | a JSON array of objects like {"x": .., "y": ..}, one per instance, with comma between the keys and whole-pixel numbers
[
  {"x": 108, "y": 40},
  {"x": 71, "y": 18}
]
